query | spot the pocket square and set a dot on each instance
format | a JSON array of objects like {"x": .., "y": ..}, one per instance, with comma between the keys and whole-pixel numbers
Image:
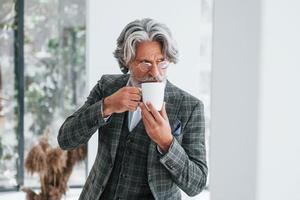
[{"x": 176, "y": 129}]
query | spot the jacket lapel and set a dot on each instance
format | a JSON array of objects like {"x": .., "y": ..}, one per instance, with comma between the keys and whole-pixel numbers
[{"x": 173, "y": 100}]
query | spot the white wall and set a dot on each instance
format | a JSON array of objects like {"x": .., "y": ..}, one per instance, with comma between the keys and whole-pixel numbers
[
  {"x": 279, "y": 137},
  {"x": 255, "y": 100},
  {"x": 234, "y": 100}
]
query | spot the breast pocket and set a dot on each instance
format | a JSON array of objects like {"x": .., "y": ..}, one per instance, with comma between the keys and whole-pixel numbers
[{"x": 176, "y": 128}]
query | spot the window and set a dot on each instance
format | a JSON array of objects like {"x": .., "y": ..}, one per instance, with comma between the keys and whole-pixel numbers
[
  {"x": 8, "y": 119},
  {"x": 54, "y": 83}
]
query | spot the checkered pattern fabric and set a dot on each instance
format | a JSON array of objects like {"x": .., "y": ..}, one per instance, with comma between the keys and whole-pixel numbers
[
  {"x": 183, "y": 166},
  {"x": 128, "y": 179}
]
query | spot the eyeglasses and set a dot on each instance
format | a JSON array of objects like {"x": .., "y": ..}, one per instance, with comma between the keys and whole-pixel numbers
[{"x": 146, "y": 65}]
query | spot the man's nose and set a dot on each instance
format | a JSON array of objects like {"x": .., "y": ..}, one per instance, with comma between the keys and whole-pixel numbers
[{"x": 154, "y": 71}]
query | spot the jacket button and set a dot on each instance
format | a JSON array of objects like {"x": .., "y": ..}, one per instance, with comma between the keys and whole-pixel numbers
[
  {"x": 170, "y": 164},
  {"x": 129, "y": 141},
  {"x": 123, "y": 175}
]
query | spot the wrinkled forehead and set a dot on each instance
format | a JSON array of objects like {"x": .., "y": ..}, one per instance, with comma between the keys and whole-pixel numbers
[{"x": 149, "y": 50}]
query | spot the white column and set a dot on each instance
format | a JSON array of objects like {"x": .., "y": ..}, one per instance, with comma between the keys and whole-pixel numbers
[
  {"x": 255, "y": 100},
  {"x": 279, "y": 136},
  {"x": 235, "y": 76}
]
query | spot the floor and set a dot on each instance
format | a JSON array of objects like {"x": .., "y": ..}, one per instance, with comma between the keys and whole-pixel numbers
[{"x": 73, "y": 194}]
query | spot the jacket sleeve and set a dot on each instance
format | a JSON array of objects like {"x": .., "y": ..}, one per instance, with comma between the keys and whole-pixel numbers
[
  {"x": 186, "y": 162},
  {"x": 81, "y": 125}
]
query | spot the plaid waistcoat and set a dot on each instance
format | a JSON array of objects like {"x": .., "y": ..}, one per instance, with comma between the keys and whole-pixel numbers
[{"x": 128, "y": 179}]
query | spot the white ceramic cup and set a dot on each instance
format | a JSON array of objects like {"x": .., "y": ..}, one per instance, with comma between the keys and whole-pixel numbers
[{"x": 153, "y": 92}]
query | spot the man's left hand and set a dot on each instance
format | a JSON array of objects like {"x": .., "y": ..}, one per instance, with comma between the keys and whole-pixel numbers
[{"x": 157, "y": 125}]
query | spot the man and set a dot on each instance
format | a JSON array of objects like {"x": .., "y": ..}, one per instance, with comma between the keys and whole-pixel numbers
[{"x": 142, "y": 153}]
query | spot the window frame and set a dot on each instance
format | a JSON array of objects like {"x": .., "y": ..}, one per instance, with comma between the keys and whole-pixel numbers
[{"x": 19, "y": 86}]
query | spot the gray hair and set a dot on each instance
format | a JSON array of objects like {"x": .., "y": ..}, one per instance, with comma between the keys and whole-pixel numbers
[{"x": 144, "y": 30}]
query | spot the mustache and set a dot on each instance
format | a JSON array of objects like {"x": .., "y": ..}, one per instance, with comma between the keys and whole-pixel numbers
[{"x": 148, "y": 78}]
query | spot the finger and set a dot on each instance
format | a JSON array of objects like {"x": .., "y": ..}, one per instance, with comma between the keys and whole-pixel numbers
[
  {"x": 142, "y": 106},
  {"x": 163, "y": 112},
  {"x": 145, "y": 121},
  {"x": 132, "y": 109},
  {"x": 147, "y": 115},
  {"x": 134, "y": 90},
  {"x": 154, "y": 112},
  {"x": 133, "y": 105},
  {"x": 135, "y": 97},
  {"x": 144, "y": 109}
]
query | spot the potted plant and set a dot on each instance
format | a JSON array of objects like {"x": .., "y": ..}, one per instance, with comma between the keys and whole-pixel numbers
[{"x": 54, "y": 167}]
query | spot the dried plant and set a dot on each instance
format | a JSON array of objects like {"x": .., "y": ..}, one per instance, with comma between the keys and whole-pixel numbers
[{"x": 54, "y": 167}]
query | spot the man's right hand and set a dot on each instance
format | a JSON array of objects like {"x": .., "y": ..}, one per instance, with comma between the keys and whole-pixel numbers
[{"x": 126, "y": 98}]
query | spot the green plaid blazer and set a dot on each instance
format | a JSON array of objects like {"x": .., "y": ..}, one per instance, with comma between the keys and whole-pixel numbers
[{"x": 183, "y": 166}]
